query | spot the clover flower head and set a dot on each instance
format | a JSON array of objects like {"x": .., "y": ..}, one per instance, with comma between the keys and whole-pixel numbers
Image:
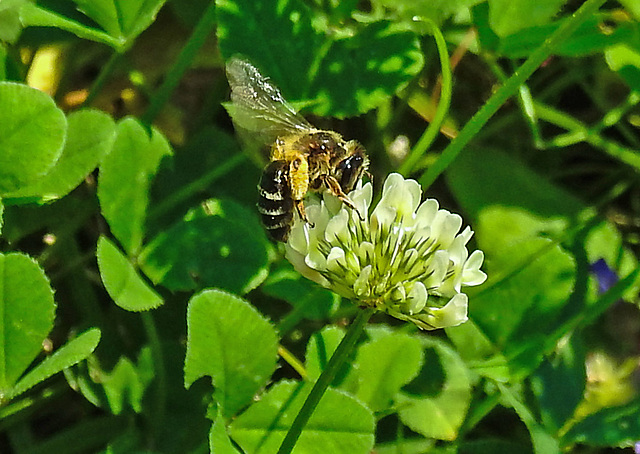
[{"x": 406, "y": 258}]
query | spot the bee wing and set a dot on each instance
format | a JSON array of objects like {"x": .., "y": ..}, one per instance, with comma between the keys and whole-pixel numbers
[{"x": 257, "y": 107}]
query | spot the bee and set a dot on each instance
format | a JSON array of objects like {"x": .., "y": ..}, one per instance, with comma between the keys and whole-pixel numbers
[{"x": 303, "y": 158}]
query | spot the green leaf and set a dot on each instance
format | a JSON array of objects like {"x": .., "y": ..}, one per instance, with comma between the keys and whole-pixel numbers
[
  {"x": 613, "y": 426},
  {"x": 232, "y": 343},
  {"x": 219, "y": 244},
  {"x": 320, "y": 348},
  {"x": 313, "y": 301},
  {"x": 384, "y": 365},
  {"x": 509, "y": 16},
  {"x": 10, "y": 26},
  {"x": 125, "y": 177},
  {"x": 32, "y": 135},
  {"x": 559, "y": 384},
  {"x": 219, "y": 441},
  {"x": 1, "y": 215},
  {"x": 590, "y": 38},
  {"x": 122, "y": 19},
  {"x": 27, "y": 311},
  {"x": 66, "y": 356},
  {"x": 32, "y": 14},
  {"x": 436, "y": 402},
  {"x": 536, "y": 292},
  {"x": 360, "y": 72},
  {"x": 339, "y": 425},
  {"x": 341, "y": 73},
  {"x": 480, "y": 178},
  {"x": 625, "y": 59},
  {"x": 127, "y": 382},
  {"x": 90, "y": 137},
  {"x": 124, "y": 285}
]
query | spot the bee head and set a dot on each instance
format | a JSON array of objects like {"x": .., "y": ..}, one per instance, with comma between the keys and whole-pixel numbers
[{"x": 350, "y": 169}]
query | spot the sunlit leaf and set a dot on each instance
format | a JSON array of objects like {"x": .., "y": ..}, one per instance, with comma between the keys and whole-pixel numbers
[
  {"x": 64, "y": 357},
  {"x": 435, "y": 403},
  {"x": 122, "y": 19},
  {"x": 125, "y": 178},
  {"x": 337, "y": 75},
  {"x": 124, "y": 285},
  {"x": 229, "y": 341},
  {"x": 383, "y": 366},
  {"x": 508, "y": 16},
  {"x": 340, "y": 424},
  {"x": 32, "y": 135},
  {"x": 26, "y": 302},
  {"x": 90, "y": 136}
]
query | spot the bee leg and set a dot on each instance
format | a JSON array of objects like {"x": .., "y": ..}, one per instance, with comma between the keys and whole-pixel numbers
[
  {"x": 334, "y": 187},
  {"x": 302, "y": 213}
]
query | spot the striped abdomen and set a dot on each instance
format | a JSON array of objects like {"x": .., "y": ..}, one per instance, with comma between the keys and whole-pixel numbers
[{"x": 276, "y": 204}]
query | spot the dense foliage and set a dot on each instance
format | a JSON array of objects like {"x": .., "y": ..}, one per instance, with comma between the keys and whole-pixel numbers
[{"x": 143, "y": 309}]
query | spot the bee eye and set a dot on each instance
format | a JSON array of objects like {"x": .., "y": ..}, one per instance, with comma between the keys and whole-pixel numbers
[{"x": 350, "y": 170}]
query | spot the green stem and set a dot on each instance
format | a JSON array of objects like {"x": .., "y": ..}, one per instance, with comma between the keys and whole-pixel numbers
[
  {"x": 510, "y": 87},
  {"x": 102, "y": 78},
  {"x": 328, "y": 374},
  {"x": 432, "y": 130},
  {"x": 186, "y": 57}
]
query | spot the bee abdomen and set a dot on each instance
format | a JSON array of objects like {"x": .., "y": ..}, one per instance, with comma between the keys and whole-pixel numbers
[{"x": 275, "y": 204}]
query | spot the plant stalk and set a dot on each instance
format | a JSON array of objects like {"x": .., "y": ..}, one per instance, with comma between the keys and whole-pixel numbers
[{"x": 328, "y": 374}]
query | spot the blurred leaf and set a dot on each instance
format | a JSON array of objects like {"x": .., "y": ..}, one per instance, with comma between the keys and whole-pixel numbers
[
  {"x": 625, "y": 59},
  {"x": 383, "y": 366},
  {"x": 10, "y": 26},
  {"x": 126, "y": 383},
  {"x": 559, "y": 384},
  {"x": 339, "y": 425},
  {"x": 342, "y": 74},
  {"x": 436, "y": 402},
  {"x": 64, "y": 357},
  {"x": 508, "y": 16},
  {"x": 124, "y": 285},
  {"x": 483, "y": 177},
  {"x": 313, "y": 301},
  {"x": 232, "y": 343},
  {"x": 220, "y": 244},
  {"x": 28, "y": 310},
  {"x": 614, "y": 426},
  {"x": 590, "y": 38},
  {"x": 122, "y": 19},
  {"x": 436, "y": 10},
  {"x": 90, "y": 137},
  {"x": 633, "y": 6},
  {"x": 125, "y": 177},
  {"x": 32, "y": 135},
  {"x": 541, "y": 278}
]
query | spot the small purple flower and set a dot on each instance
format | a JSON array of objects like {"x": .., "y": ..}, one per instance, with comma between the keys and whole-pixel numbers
[{"x": 606, "y": 277}]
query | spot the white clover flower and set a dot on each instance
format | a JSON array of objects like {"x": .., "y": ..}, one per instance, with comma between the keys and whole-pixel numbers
[{"x": 407, "y": 258}]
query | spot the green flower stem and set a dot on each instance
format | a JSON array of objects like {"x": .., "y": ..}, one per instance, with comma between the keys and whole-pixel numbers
[
  {"x": 328, "y": 374},
  {"x": 510, "y": 88},
  {"x": 432, "y": 130},
  {"x": 186, "y": 57},
  {"x": 102, "y": 78}
]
